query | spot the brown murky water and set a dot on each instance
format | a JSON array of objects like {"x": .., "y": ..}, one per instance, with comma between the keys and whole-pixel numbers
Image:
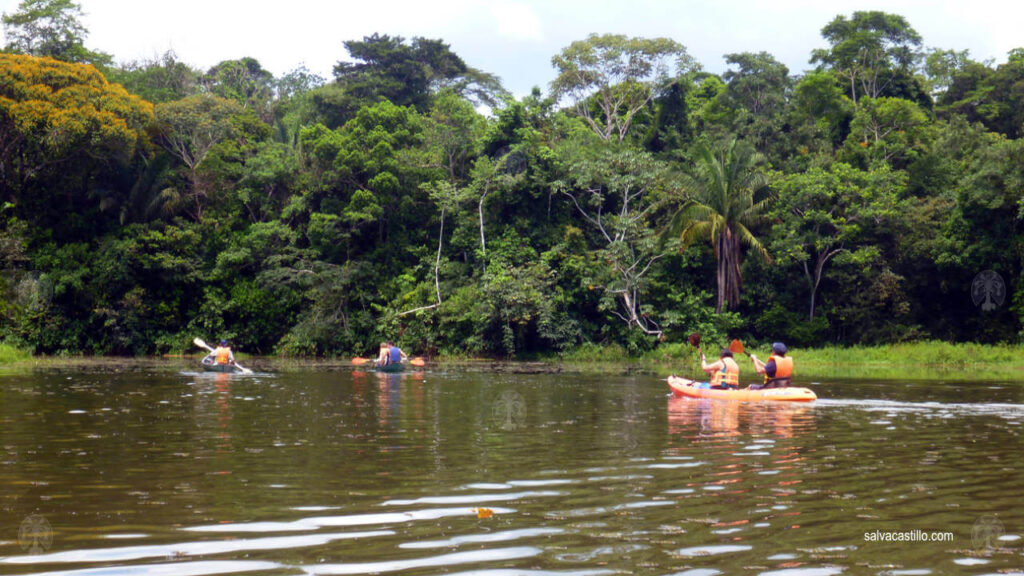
[{"x": 160, "y": 470}]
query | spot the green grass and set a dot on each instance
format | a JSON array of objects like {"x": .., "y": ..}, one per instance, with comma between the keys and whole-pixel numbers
[
  {"x": 931, "y": 353},
  {"x": 929, "y": 359},
  {"x": 11, "y": 355},
  {"x": 916, "y": 360}
]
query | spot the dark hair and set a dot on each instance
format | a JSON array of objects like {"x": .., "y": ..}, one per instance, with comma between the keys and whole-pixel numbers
[{"x": 726, "y": 352}]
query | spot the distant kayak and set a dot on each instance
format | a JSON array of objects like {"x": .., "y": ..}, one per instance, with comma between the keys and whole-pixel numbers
[
  {"x": 397, "y": 367},
  {"x": 692, "y": 389},
  {"x": 210, "y": 365}
]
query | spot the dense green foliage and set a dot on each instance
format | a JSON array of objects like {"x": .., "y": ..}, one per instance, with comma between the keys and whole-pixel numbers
[{"x": 641, "y": 200}]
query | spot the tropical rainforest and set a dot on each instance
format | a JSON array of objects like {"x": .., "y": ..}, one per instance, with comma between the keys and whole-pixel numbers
[{"x": 876, "y": 198}]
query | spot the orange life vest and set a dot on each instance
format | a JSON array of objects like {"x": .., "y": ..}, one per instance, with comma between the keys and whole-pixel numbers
[
  {"x": 729, "y": 374},
  {"x": 223, "y": 354},
  {"x": 783, "y": 369}
]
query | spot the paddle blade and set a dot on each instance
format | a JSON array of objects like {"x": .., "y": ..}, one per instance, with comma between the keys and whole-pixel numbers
[
  {"x": 199, "y": 342},
  {"x": 360, "y": 361},
  {"x": 418, "y": 362},
  {"x": 736, "y": 347},
  {"x": 694, "y": 339}
]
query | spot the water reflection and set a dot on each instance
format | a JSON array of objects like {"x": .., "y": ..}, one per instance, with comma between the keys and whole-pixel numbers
[
  {"x": 704, "y": 418},
  {"x": 387, "y": 391},
  {"x": 340, "y": 472}
]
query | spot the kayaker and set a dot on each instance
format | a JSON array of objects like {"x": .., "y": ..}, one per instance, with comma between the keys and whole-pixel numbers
[
  {"x": 725, "y": 373},
  {"x": 222, "y": 354},
  {"x": 395, "y": 354},
  {"x": 383, "y": 355},
  {"x": 778, "y": 371}
]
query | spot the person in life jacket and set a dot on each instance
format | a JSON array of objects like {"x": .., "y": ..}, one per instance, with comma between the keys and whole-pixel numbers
[
  {"x": 725, "y": 373},
  {"x": 222, "y": 354},
  {"x": 778, "y": 370}
]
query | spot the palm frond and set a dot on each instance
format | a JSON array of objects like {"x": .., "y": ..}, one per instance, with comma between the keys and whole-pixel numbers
[
  {"x": 697, "y": 231},
  {"x": 752, "y": 242}
]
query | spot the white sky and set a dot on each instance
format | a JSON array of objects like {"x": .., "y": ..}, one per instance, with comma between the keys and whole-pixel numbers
[{"x": 515, "y": 39}]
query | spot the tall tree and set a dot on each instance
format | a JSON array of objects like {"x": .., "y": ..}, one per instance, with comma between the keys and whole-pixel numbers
[
  {"x": 617, "y": 191},
  {"x": 1000, "y": 100},
  {"x": 453, "y": 135},
  {"x": 759, "y": 85},
  {"x": 759, "y": 82},
  {"x": 609, "y": 78},
  {"x": 822, "y": 213},
  {"x": 940, "y": 66},
  {"x": 868, "y": 50},
  {"x": 54, "y": 114},
  {"x": 189, "y": 129},
  {"x": 408, "y": 74},
  {"x": 245, "y": 81},
  {"x": 50, "y": 28},
  {"x": 727, "y": 197},
  {"x": 889, "y": 129}
]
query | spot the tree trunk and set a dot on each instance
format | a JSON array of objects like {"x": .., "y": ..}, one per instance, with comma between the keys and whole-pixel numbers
[
  {"x": 720, "y": 276},
  {"x": 815, "y": 279},
  {"x": 437, "y": 262},
  {"x": 437, "y": 272},
  {"x": 727, "y": 250},
  {"x": 483, "y": 242}
]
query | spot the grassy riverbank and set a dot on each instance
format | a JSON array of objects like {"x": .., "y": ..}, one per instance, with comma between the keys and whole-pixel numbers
[
  {"x": 10, "y": 354},
  {"x": 912, "y": 360},
  {"x": 918, "y": 360}
]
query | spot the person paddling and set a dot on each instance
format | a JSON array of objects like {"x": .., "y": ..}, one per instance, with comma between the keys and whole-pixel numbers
[
  {"x": 382, "y": 355},
  {"x": 778, "y": 371},
  {"x": 395, "y": 354},
  {"x": 222, "y": 354},
  {"x": 724, "y": 374},
  {"x": 390, "y": 354}
]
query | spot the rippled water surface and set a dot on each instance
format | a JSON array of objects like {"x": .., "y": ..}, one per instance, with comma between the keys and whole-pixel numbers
[{"x": 160, "y": 470}]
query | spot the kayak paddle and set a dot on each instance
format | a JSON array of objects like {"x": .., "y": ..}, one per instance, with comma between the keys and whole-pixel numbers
[
  {"x": 694, "y": 340},
  {"x": 199, "y": 342},
  {"x": 414, "y": 361},
  {"x": 736, "y": 347}
]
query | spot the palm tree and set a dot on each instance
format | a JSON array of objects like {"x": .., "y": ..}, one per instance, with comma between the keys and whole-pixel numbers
[{"x": 726, "y": 197}]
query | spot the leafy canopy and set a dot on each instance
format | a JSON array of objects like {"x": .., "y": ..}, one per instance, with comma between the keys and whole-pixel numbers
[
  {"x": 868, "y": 50},
  {"x": 50, "y": 28},
  {"x": 408, "y": 74},
  {"x": 619, "y": 75}
]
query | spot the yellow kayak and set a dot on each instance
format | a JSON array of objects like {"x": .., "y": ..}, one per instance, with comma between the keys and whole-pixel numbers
[{"x": 692, "y": 389}]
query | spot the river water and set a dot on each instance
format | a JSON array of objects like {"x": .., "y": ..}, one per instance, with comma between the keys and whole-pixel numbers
[{"x": 156, "y": 469}]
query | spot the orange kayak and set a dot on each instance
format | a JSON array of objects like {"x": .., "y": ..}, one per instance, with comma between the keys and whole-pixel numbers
[{"x": 692, "y": 389}]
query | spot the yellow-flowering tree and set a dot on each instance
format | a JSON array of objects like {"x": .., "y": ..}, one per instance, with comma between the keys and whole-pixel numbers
[{"x": 63, "y": 122}]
